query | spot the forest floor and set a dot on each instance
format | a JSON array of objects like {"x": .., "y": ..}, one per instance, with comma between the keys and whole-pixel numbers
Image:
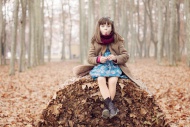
[{"x": 24, "y": 95}]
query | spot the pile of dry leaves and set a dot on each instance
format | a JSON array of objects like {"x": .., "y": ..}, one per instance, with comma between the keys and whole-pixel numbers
[{"x": 79, "y": 104}]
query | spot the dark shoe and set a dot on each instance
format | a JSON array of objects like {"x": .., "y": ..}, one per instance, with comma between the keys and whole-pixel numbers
[
  {"x": 106, "y": 112},
  {"x": 113, "y": 111}
]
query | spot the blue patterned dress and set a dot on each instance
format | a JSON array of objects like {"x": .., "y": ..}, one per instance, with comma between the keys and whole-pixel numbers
[{"x": 107, "y": 69}]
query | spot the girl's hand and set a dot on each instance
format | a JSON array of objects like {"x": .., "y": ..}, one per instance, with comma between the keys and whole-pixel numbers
[
  {"x": 111, "y": 57},
  {"x": 103, "y": 59}
]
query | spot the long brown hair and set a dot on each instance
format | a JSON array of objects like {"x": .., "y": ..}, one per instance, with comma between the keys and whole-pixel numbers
[{"x": 102, "y": 21}]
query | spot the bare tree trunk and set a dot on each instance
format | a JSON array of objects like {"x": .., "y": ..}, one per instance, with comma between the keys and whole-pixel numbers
[
  {"x": 91, "y": 21},
  {"x": 146, "y": 43},
  {"x": 70, "y": 33},
  {"x": 187, "y": 5},
  {"x": 37, "y": 31},
  {"x": 81, "y": 11},
  {"x": 141, "y": 42},
  {"x": 83, "y": 40},
  {"x": 31, "y": 28},
  {"x": 132, "y": 29},
  {"x": 160, "y": 32},
  {"x": 42, "y": 34},
  {"x": 144, "y": 29},
  {"x": 63, "y": 32},
  {"x": 124, "y": 23},
  {"x": 14, "y": 38},
  {"x": 22, "y": 41},
  {"x": 1, "y": 29},
  {"x": 172, "y": 59},
  {"x": 3, "y": 34},
  {"x": 153, "y": 39},
  {"x": 40, "y": 27},
  {"x": 3, "y": 40},
  {"x": 166, "y": 31},
  {"x": 103, "y": 9},
  {"x": 113, "y": 9},
  {"x": 30, "y": 32},
  {"x": 178, "y": 57},
  {"x": 119, "y": 17},
  {"x": 33, "y": 35},
  {"x": 50, "y": 39}
]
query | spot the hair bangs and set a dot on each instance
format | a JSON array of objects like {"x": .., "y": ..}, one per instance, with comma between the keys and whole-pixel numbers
[{"x": 105, "y": 20}]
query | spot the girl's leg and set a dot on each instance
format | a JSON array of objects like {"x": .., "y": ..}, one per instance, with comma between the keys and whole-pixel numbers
[
  {"x": 112, "y": 81},
  {"x": 103, "y": 87},
  {"x": 105, "y": 94}
]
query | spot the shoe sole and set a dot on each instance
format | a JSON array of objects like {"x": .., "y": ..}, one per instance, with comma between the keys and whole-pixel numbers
[{"x": 105, "y": 114}]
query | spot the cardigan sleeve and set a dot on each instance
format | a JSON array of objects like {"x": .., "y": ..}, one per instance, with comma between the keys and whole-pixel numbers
[{"x": 92, "y": 57}]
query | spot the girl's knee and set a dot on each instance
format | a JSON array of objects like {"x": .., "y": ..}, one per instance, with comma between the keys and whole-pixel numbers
[
  {"x": 113, "y": 80},
  {"x": 101, "y": 79}
]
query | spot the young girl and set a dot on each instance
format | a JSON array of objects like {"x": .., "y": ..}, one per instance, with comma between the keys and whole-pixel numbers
[{"x": 108, "y": 55}]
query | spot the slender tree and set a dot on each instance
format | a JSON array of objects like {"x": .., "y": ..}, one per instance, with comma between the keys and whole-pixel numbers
[
  {"x": 132, "y": 29},
  {"x": 83, "y": 40},
  {"x": 22, "y": 41},
  {"x": 147, "y": 43},
  {"x": 91, "y": 21},
  {"x": 37, "y": 33},
  {"x": 152, "y": 26},
  {"x": 113, "y": 10},
  {"x": 51, "y": 32},
  {"x": 172, "y": 59},
  {"x": 187, "y": 5},
  {"x": 160, "y": 32},
  {"x": 42, "y": 34},
  {"x": 30, "y": 32},
  {"x": 40, "y": 30},
  {"x": 166, "y": 30},
  {"x": 124, "y": 22},
  {"x": 141, "y": 41},
  {"x": 3, "y": 40},
  {"x": 70, "y": 35},
  {"x": 63, "y": 30},
  {"x": 14, "y": 38},
  {"x": 103, "y": 9},
  {"x": 1, "y": 28},
  {"x": 3, "y": 34},
  {"x": 33, "y": 35},
  {"x": 119, "y": 17},
  {"x": 178, "y": 31}
]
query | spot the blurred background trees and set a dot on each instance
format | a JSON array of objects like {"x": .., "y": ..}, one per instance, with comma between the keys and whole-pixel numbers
[{"x": 35, "y": 31}]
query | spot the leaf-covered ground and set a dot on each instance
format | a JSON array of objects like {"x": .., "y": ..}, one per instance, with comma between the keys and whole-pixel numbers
[{"x": 25, "y": 95}]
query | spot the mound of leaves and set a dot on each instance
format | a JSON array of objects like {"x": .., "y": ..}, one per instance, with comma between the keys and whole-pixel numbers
[{"x": 79, "y": 104}]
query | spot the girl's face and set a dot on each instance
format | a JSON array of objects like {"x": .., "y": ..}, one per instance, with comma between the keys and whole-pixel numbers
[{"x": 105, "y": 29}]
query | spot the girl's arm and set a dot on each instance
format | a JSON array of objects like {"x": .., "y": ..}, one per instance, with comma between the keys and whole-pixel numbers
[{"x": 124, "y": 56}]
